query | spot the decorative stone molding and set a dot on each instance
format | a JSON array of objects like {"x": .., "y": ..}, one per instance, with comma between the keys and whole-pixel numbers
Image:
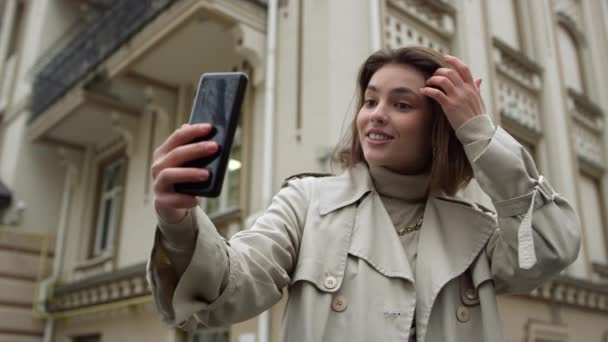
[
  {"x": 575, "y": 292},
  {"x": 428, "y": 23},
  {"x": 569, "y": 14},
  {"x": 95, "y": 266},
  {"x": 250, "y": 44},
  {"x": 519, "y": 80},
  {"x": 71, "y": 159},
  {"x": 600, "y": 269},
  {"x": 544, "y": 331},
  {"x": 127, "y": 127},
  {"x": 588, "y": 120},
  {"x": 104, "y": 288}
]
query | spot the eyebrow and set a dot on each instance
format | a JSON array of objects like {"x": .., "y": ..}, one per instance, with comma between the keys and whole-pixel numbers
[{"x": 399, "y": 90}]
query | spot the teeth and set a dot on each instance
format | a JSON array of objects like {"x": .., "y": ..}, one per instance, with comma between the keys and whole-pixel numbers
[{"x": 377, "y": 136}]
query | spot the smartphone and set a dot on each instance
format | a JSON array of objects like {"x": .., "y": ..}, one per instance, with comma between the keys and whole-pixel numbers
[{"x": 218, "y": 101}]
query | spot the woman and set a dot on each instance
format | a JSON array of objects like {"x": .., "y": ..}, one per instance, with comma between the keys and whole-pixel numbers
[{"x": 386, "y": 250}]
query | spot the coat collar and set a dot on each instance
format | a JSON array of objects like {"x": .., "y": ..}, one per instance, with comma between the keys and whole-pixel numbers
[
  {"x": 345, "y": 189},
  {"x": 453, "y": 233}
]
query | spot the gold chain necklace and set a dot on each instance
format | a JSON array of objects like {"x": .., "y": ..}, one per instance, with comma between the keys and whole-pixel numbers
[{"x": 412, "y": 227}]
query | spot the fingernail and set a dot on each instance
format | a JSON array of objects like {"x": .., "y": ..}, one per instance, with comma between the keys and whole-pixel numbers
[
  {"x": 213, "y": 147},
  {"x": 203, "y": 174}
]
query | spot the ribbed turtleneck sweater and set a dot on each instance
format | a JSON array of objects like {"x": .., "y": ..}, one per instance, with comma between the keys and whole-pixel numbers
[{"x": 404, "y": 198}]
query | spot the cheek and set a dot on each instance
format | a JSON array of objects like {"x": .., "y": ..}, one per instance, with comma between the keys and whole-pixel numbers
[
  {"x": 361, "y": 121},
  {"x": 417, "y": 128}
]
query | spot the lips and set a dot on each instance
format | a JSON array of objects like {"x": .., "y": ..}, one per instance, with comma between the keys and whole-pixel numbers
[{"x": 378, "y": 135}]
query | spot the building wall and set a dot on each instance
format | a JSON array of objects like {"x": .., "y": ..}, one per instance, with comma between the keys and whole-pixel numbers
[{"x": 320, "y": 47}]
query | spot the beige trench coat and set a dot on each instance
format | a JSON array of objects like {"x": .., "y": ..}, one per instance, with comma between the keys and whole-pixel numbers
[{"x": 332, "y": 243}]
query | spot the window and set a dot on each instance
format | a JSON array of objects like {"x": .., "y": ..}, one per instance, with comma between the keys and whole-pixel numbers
[
  {"x": 230, "y": 198},
  {"x": 505, "y": 24},
  {"x": 570, "y": 60},
  {"x": 87, "y": 338},
  {"x": 210, "y": 335},
  {"x": 108, "y": 205},
  {"x": 592, "y": 217}
]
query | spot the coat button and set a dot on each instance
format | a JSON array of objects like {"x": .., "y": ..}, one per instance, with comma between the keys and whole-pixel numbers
[
  {"x": 463, "y": 314},
  {"x": 339, "y": 304},
  {"x": 471, "y": 294},
  {"x": 331, "y": 282}
]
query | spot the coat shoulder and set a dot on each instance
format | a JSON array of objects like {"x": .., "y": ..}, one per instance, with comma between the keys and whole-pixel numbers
[
  {"x": 470, "y": 204},
  {"x": 305, "y": 175}
]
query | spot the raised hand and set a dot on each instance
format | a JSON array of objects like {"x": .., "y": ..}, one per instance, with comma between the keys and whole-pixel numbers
[
  {"x": 456, "y": 91},
  {"x": 167, "y": 170}
]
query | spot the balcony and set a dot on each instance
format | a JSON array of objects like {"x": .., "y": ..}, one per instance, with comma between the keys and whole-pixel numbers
[
  {"x": 587, "y": 132},
  {"x": 112, "y": 28},
  {"x": 519, "y": 82}
]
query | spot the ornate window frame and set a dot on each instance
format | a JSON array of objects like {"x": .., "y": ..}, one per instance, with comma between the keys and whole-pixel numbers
[
  {"x": 538, "y": 331},
  {"x": 430, "y": 23}
]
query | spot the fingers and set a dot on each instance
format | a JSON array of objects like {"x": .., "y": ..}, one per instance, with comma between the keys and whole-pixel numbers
[
  {"x": 182, "y": 136},
  {"x": 436, "y": 95},
  {"x": 478, "y": 85},
  {"x": 450, "y": 74},
  {"x": 463, "y": 69},
  {"x": 182, "y": 154},
  {"x": 443, "y": 83},
  {"x": 168, "y": 177}
]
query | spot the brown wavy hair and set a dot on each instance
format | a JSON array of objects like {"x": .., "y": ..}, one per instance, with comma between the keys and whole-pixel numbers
[{"x": 450, "y": 168}]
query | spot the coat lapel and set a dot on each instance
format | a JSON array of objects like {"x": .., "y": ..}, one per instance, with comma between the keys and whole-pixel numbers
[
  {"x": 376, "y": 241},
  {"x": 452, "y": 235},
  {"x": 374, "y": 237}
]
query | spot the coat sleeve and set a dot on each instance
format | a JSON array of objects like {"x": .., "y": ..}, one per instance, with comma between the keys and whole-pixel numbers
[
  {"x": 538, "y": 232},
  {"x": 231, "y": 281}
]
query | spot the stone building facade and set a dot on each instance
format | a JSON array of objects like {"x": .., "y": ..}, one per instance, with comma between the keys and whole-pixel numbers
[{"x": 88, "y": 88}]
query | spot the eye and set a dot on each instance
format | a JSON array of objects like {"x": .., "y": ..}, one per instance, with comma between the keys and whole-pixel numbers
[
  {"x": 403, "y": 106},
  {"x": 369, "y": 103}
]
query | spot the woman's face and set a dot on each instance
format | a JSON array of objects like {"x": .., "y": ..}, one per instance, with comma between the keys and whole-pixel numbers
[{"x": 395, "y": 122}]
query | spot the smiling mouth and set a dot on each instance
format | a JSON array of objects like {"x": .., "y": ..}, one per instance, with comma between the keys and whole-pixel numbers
[{"x": 379, "y": 137}]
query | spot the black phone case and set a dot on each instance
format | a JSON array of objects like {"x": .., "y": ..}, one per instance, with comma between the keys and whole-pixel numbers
[{"x": 218, "y": 101}]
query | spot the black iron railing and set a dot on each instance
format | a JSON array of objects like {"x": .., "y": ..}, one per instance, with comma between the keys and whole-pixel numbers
[{"x": 113, "y": 27}]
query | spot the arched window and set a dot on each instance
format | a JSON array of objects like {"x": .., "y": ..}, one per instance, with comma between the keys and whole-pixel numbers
[
  {"x": 570, "y": 59},
  {"x": 505, "y": 23}
]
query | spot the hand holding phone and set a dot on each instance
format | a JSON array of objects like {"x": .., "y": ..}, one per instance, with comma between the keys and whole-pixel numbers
[
  {"x": 218, "y": 102},
  {"x": 193, "y": 160}
]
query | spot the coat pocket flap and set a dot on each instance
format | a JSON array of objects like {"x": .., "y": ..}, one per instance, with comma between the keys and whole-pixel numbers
[{"x": 325, "y": 277}]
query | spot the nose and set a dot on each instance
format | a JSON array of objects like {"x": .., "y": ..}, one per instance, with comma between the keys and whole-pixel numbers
[{"x": 378, "y": 115}]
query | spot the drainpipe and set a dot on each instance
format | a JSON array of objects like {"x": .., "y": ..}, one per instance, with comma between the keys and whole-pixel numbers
[
  {"x": 47, "y": 284},
  {"x": 267, "y": 181},
  {"x": 375, "y": 24}
]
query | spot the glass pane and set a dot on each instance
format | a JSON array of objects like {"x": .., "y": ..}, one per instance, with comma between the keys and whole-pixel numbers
[
  {"x": 592, "y": 218},
  {"x": 234, "y": 173},
  {"x": 105, "y": 226},
  {"x": 230, "y": 195},
  {"x": 211, "y": 205},
  {"x": 112, "y": 182}
]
